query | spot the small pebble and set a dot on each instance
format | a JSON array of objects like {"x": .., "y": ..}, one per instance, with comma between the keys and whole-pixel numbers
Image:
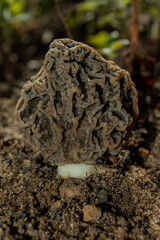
[{"x": 91, "y": 213}]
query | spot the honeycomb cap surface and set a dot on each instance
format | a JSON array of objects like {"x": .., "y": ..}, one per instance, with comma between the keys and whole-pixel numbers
[{"x": 79, "y": 106}]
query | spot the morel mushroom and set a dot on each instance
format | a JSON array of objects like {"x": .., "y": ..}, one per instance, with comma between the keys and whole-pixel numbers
[{"x": 78, "y": 108}]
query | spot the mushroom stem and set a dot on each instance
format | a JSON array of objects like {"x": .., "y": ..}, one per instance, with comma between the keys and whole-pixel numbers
[{"x": 81, "y": 170}]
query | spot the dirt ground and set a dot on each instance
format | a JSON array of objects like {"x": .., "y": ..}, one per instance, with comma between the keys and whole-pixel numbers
[{"x": 122, "y": 203}]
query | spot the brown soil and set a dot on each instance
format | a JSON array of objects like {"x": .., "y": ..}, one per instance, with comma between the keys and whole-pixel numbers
[{"x": 123, "y": 203}]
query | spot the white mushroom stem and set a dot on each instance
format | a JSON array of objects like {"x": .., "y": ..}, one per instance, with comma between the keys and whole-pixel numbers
[{"x": 81, "y": 170}]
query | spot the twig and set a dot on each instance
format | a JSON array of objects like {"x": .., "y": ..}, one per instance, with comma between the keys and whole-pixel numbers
[
  {"x": 134, "y": 21},
  {"x": 62, "y": 18}
]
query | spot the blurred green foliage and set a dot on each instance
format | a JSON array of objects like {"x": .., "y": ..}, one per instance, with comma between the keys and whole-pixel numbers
[
  {"x": 45, "y": 6},
  {"x": 105, "y": 23},
  {"x": 12, "y": 14},
  {"x": 108, "y": 43},
  {"x": 101, "y": 23}
]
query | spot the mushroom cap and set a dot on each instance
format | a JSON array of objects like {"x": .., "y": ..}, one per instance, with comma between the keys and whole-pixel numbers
[{"x": 79, "y": 106}]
